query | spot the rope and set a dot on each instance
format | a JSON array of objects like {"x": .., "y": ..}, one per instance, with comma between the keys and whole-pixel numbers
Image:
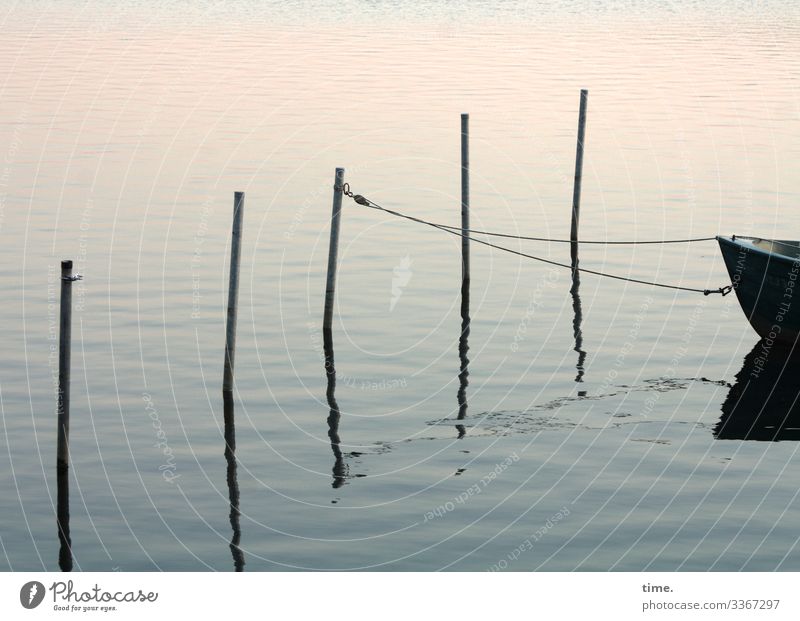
[
  {"x": 580, "y": 241},
  {"x": 361, "y": 200}
]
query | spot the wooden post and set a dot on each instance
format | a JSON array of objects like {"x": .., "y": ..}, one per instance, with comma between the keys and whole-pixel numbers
[
  {"x": 333, "y": 251},
  {"x": 233, "y": 292},
  {"x": 65, "y": 340},
  {"x": 465, "y": 274},
  {"x": 576, "y": 190}
]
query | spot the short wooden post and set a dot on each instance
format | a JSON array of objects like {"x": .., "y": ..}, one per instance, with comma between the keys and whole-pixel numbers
[
  {"x": 333, "y": 251},
  {"x": 576, "y": 190},
  {"x": 65, "y": 340},
  {"x": 233, "y": 292},
  {"x": 465, "y": 274}
]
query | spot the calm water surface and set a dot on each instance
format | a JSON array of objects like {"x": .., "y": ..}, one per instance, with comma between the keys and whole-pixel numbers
[{"x": 125, "y": 130}]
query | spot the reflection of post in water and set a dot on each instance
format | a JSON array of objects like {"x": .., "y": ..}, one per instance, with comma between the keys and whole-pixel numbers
[
  {"x": 233, "y": 482},
  {"x": 62, "y": 518},
  {"x": 577, "y": 312},
  {"x": 339, "y": 467},
  {"x": 764, "y": 401},
  {"x": 463, "y": 348}
]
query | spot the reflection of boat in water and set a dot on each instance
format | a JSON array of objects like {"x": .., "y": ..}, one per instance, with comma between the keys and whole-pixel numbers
[
  {"x": 764, "y": 402},
  {"x": 764, "y": 273}
]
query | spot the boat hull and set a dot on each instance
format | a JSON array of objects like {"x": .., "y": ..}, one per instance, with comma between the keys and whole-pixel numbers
[{"x": 767, "y": 285}]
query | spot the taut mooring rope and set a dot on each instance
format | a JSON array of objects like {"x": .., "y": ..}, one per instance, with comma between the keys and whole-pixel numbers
[
  {"x": 361, "y": 200},
  {"x": 581, "y": 241}
]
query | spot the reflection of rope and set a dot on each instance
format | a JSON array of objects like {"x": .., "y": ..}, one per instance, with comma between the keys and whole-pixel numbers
[{"x": 457, "y": 231}]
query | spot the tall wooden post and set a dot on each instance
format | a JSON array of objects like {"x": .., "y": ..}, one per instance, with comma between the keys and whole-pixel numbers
[
  {"x": 233, "y": 292},
  {"x": 65, "y": 341},
  {"x": 576, "y": 190},
  {"x": 333, "y": 251},
  {"x": 465, "y": 274}
]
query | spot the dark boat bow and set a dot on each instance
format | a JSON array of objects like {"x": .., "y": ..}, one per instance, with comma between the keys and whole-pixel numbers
[{"x": 764, "y": 274}]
